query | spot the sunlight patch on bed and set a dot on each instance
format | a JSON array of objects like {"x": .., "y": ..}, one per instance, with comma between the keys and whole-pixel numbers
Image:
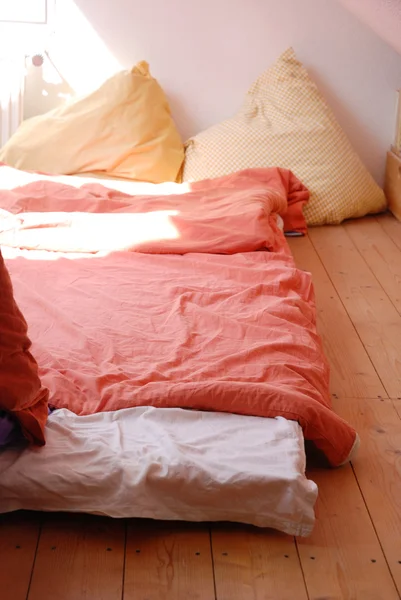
[
  {"x": 11, "y": 178},
  {"x": 83, "y": 235},
  {"x": 116, "y": 231}
]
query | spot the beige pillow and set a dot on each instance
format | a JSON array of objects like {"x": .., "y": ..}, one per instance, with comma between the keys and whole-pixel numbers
[
  {"x": 285, "y": 122},
  {"x": 124, "y": 129}
]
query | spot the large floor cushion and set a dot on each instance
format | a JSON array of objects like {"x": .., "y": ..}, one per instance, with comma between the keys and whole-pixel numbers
[
  {"x": 284, "y": 121},
  {"x": 124, "y": 129}
]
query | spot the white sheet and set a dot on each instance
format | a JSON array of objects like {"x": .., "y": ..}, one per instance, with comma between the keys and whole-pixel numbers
[{"x": 166, "y": 464}]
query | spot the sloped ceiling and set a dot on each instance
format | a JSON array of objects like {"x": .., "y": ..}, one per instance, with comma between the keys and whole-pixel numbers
[{"x": 383, "y": 16}]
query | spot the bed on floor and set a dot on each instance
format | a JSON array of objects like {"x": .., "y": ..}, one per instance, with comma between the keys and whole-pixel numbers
[
  {"x": 178, "y": 343},
  {"x": 175, "y": 339}
]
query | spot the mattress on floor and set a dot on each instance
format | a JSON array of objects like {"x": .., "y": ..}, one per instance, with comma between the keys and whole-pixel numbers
[
  {"x": 188, "y": 300},
  {"x": 169, "y": 464},
  {"x": 139, "y": 307}
]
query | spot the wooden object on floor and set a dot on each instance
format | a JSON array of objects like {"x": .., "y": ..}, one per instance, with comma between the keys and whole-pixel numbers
[
  {"x": 254, "y": 564},
  {"x": 397, "y": 137},
  {"x": 351, "y": 370},
  {"x": 392, "y": 185},
  {"x": 19, "y": 534},
  {"x": 80, "y": 557},
  {"x": 372, "y": 313},
  {"x": 378, "y": 470},
  {"x": 343, "y": 558},
  {"x": 168, "y": 561}
]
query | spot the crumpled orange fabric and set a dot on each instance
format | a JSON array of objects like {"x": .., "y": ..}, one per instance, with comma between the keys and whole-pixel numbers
[
  {"x": 21, "y": 392},
  {"x": 206, "y": 310},
  {"x": 229, "y": 214}
]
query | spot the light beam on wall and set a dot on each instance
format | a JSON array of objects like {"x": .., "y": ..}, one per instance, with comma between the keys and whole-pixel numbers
[{"x": 77, "y": 51}]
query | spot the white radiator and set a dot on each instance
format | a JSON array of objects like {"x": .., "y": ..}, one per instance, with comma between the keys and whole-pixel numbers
[{"x": 12, "y": 76}]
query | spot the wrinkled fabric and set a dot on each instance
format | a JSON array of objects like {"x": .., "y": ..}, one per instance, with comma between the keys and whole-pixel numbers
[
  {"x": 196, "y": 315},
  {"x": 227, "y": 215},
  {"x": 22, "y": 395},
  {"x": 166, "y": 464},
  {"x": 9, "y": 430}
]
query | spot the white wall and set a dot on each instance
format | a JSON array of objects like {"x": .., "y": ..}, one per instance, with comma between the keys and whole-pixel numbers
[
  {"x": 206, "y": 53},
  {"x": 383, "y": 16}
]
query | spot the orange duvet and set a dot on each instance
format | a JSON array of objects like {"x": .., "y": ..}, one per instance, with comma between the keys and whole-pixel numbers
[{"x": 184, "y": 300}]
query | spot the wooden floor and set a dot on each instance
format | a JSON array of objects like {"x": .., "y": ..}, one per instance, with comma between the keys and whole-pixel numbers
[{"x": 355, "y": 550}]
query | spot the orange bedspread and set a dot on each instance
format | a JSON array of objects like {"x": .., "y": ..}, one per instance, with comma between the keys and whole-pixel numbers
[{"x": 224, "y": 326}]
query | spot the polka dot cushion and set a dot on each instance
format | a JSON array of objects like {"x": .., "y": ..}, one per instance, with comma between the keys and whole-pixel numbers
[{"x": 285, "y": 122}]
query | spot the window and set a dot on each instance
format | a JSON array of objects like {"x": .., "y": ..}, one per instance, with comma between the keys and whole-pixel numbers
[{"x": 24, "y": 11}]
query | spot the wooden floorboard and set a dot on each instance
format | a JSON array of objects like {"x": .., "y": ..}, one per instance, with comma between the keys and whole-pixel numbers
[
  {"x": 19, "y": 535},
  {"x": 381, "y": 254},
  {"x": 378, "y": 470},
  {"x": 370, "y": 309},
  {"x": 168, "y": 561},
  {"x": 79, "y": 557},
  {"x": 392, "y": 227},
  {"x": 351, "y": 371},
  {"x": 397, "y": 406},
  {"x": 255, "y": 564},
  {"x": 343, "y": 560}
]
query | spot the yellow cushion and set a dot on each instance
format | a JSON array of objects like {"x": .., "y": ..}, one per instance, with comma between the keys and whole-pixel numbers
[
  {"x": 123, "y": 129},
  {"x": 285, "y": 122}
]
